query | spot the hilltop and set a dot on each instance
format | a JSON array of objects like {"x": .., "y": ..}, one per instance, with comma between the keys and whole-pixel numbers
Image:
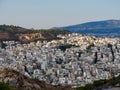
[
  {"x": 110, "y": 28},
  {"x": 10, "y": 32}
]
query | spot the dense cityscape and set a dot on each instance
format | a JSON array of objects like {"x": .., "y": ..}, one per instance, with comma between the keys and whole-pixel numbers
[
  {"x": 74, "y": 60},
  {"x": 59, "y": 45}
]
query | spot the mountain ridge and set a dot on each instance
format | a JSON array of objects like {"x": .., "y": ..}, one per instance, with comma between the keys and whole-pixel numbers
[{"x": 97, "y": 28}]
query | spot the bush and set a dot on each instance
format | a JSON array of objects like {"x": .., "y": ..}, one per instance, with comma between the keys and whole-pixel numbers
[{"x": 4, "y": 86}]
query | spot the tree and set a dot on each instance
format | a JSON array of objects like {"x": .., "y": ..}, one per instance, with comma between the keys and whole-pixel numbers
[{"x": 113, "y": 56}]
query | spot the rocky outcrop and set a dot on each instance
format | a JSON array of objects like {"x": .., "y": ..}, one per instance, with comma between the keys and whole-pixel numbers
[
  {"x": 30, "y": 37},
  {"x": 22, "y": 82},
  {"x": 4, "y": 35}
]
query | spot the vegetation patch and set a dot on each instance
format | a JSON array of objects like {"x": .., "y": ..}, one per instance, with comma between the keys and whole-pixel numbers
[{"x": 99, "y": 84}]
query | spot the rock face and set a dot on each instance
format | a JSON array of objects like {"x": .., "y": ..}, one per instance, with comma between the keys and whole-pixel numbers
[
  {"x": 30, "y": 37},
  {"x": 4, "y": 35},
  {"x": 21, "y": 82}
]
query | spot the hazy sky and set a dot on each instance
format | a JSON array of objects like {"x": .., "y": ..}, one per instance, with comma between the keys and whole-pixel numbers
[{"x": 55, "y": 13}]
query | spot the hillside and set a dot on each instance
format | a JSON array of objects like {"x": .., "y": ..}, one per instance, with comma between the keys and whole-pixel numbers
[
  {"x": 10, "y": 32},
  {"x": 110, "y": 28},
  {"x": 103, "y": 84},
  {"x": 21, "y": 82}
]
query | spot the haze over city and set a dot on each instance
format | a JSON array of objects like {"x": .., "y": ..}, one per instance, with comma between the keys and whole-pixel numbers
[{"x": 56, "y": 13}]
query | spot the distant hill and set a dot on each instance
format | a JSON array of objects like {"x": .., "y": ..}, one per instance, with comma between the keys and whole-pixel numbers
[
  {"x": 10, "y": 32},
  {"x": 110, "y": 28}
]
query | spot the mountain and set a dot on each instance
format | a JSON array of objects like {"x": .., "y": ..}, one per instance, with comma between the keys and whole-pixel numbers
[
  {"x": 110, "y": 28},
  {"x": 11, "y": 32}
]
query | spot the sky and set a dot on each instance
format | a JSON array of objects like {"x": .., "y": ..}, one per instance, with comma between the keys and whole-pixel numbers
[{"x": 42, "y": 14}]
